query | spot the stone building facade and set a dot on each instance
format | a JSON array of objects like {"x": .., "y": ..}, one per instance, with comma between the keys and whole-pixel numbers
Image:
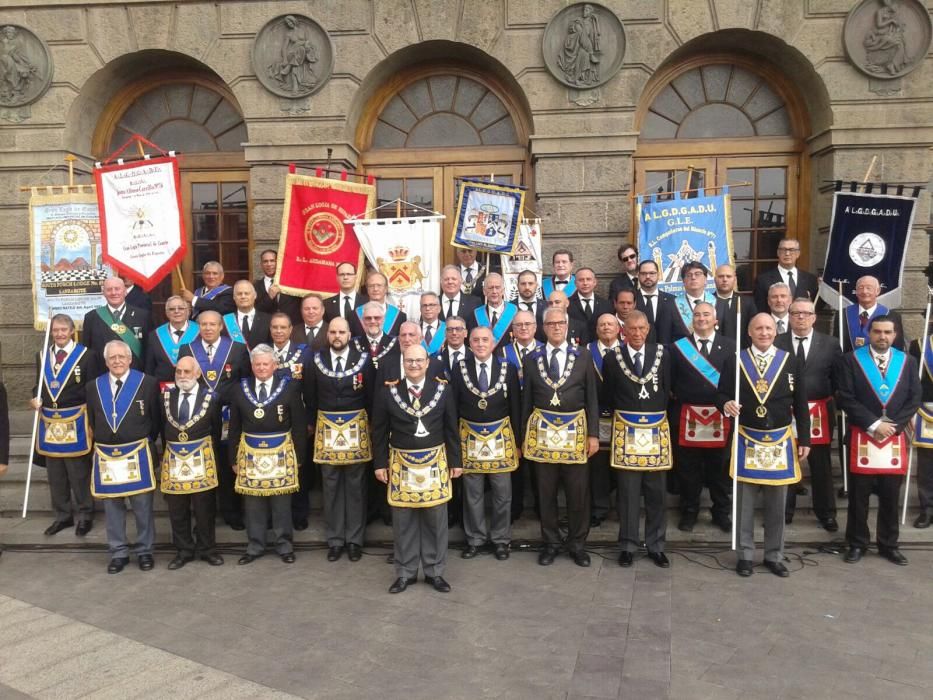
[{"x": 583, "y": 104}]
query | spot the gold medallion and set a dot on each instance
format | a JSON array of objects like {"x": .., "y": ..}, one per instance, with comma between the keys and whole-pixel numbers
[
  {"x": 555, "y": 400},
  {"x": 259, "y": 413},
  {"x": 211, "y": 375},
  {"x": 761, "y": 386},
  {"x": 55, "y": 404},
  {"x": 482, "y": 403},
  {"x": 182, "y": 435},
  {"x": 120, "y": 329},
  {"x": 54, "y": 384},
  {"x": 761, "y": 411},
  {"x": 115, "y": 327},
  {"x": 859, "y": 342}
]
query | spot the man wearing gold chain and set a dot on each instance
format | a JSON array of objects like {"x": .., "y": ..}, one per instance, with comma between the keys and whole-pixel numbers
[
  {"x": 417, "y": 453},
  {"x": 560, "y": 417}
]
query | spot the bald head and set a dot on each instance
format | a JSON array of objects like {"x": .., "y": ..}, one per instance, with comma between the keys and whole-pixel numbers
[
  {"x": 559, "y": 299},
  {"x": 338, "y": 334},
  {"x": 409, "y": 334},
  {"x": 762, "y": 330}
]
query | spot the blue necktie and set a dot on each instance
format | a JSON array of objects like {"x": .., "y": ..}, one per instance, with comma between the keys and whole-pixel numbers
[
  {"x": 483, "y": 378},
  {"x": 184, "y": 410},
  {"x": 554, "y": 367},
  {"x": 637, "y": 364}
]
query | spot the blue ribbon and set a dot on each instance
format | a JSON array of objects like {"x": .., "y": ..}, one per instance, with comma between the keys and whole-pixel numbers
[
  {"x": 116, "y": 410},
  {"x": 690, "y": 353},
  {"x": 167, "y": 339},
  {"x": 882, "y": 386}
]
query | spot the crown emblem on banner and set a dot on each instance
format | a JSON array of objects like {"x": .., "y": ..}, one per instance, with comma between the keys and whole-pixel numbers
[{"x": 398, "y": 253}]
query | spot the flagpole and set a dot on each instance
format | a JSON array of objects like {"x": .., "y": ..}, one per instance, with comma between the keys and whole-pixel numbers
[
  {"x": 842, "y": 414},
  {"x": 35, "y": 420},
  {"x": 735, "y": 427},
  {"x": 921, "y": 346}
]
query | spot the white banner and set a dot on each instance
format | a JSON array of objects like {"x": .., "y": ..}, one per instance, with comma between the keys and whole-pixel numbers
[
  {"x": 141, "y": 222},
  {"x": 527, "y": 257},
  {"x": 67, "y": 270},
  {"x": 408, "y": 252}
]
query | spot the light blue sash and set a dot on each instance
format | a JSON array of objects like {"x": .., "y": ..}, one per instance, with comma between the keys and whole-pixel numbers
[
  {"x": 686, "y": 311},
  {"x": 547, "y": 286},
  {"x": 233, "y": 329},
  {"x": 219, "y": 289},
  {"x": 855, "y": 328},
  {"x": 167, "y": 339},
  {"x": 437, "y": 340},
  {"x": 392, "y": 313},
  {"x": 690, "y": 353},
  {"x": 882, "y": 386},
  {"x": 503, "y": 323}
]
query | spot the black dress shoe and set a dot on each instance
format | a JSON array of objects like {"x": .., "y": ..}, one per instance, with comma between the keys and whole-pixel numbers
[
  {"x": 146, "y": 562},
  {"x": 853, "y": 555},
  {"x": 626, "y": 559},
  {"x": 438, "y": 582},
  {"x": 176, "y": 563},
  {"x": 801, "y": 490},
  {"x": 724, "y": 524},
  {"x": 502, "y": 551},
  {"x": 842, "y": 493},
  {"x": 58, "y": 526},
  {"x": 288, "y": 558},
  {"x": 660, "y": 559},
  {"x": 547, "y": 555},
  {"x": 117, "y": 565},
  {"x": 247, "y": 559},
  {"x": 236, "y": 525},
  {"x": 922, "y": 521},
  {"x": 580, "y": 558},
  {"x": 596, "y": 521},
  {"x": 893, "y": 555},
  {"x": 687, "y": 523},
  {"x": 469, "y": 552},
  {"x": 84, "y": 527},
  {"x": 213, "y": 559},
  {"x": 401, "y": 583},
  {"x": 829, "y": 524},
  {"x": 354, "y": 552},
  {"x": 777, "y": 568},
  {"x": 300, "y": 524},
  {"x": 744, "y": 568},
  {"x": 334, "y": 553}
]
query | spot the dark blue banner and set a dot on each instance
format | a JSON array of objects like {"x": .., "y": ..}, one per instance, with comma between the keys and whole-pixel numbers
[{"x": 868, "y": 235}]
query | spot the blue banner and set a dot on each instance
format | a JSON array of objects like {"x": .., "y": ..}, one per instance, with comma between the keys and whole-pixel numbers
[
  {"x": 676, "y": 231},
  {"x": 868, "y": 235}
]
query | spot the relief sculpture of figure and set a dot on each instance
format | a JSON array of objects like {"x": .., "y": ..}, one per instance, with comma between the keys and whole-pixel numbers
[
  {"x": 885, "y": 47},
  {"x": 16, "y": 70},
  {"x": 294, "y": 71},
  {"x": 579, "y": 58}
]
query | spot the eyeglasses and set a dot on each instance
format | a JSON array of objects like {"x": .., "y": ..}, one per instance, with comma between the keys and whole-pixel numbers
[
  {"x": 373, "y": 318},
  {"x": 416, "y": 361},
  {"x": 456, "y": 329},
  {"x": 429, "y": 304},
  {"x": 555, "y": 324},
  {"x": 802, "y": 314},
  {"x": 527, "y": 324},
  {"x": 781, "y": 249},
  {"x": 633, "y": 256}
]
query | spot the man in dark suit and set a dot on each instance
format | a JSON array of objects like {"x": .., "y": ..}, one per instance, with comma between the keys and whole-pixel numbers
[
  {"x": 191, "y": 430},
  {"x": 561, "y": 378},
  {"x": 69, "y": 368},
  {"x": 637, "y": 383},
  {"x": 135, "y": 296},
  {"x": 656, "y": 305},
  {"x": 214, "y": 295},
  {"x": 267, "y": 462},
  {"x": 312, "y": 331},
  {"x": 269, "y": 298},
  {"x": 628, "y": 256},
  {"x": 879, "y": 388},
  {"x": 471, "y": 272},
  {"x": 247, "y": 325},
  {"x": 374, "y": 340},
  {"x": 586, "y": 305},
  {"x": 117, "y": 320},
  {"x": 728, "y": 304},
  {"x": 345, "y": 302},
  {"x": 817, "y": 355},
  {"x": 857, "y": 317},
  {"x": 576, "y": 328},
  {"x": 455, "y": 302},
  {"x": 772, "y": 394},
  {"x": 166, "y": 341},
  {"x": 433, "y": 327},
  {"x": 529, "y": 299},
  {"x": 489, "y": 405},
  {"x": 223, "y": 364},
  {"x": 803, "y": 284},
  {"x": 377, "y": 286},
  {"x": 291, "y": 351},
  {"x": 496, "y": 313},
  {"x": 416, "y": 441},
  {"x": 338, "y": 387},
  {"x": 693, "y": 276},
  {"x": 455, "y": 349},
  {"x": 392, "y": 366},
  {"x": 607, "y": 340},
  {"x": 701, "y": 442},
  {"x": 563, "y": 279},
  {"x": 124, "y": 415}
]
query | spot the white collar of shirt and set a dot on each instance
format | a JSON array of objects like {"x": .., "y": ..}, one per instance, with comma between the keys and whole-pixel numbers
[
  {"x": 121, "y": 308},
  {"x": 876, "y": 355},
  {"x": 769, "y": 353},
  {"x": 631, "y": 353},
  {"x": 249, "y": 314},
  {"x": 474, "y": 268},
  {"x": 694, "y": 300},
  {"x": 561, "y": 356},
  {"x": 352, "y": 295},
  {"x": 113, "y": 380},
  {"x": 267, "y": 282},
  {"x": 603, "y": 349},
  {"x": 808, "y": 336},
  {"x": 785, "y": 272},
  {"x": 495, "y": 309},
  {"x": 414, "y": 387},
  {"x": 533, "y": 300},
  {"x": 709, "y": 340},
  {"x": 341, "y": 355},
  {"x": 870, "y": 311},
  {"x": 531, "y": 345},
  {"x": 267, "y": 382},
  {"x": 487, "y": 362},
  {"x": 455, "y": 298},
  {"x": 316, "y": 328},
  {"x": 430, "y": 324},
  {"x": 583, "y": 298},
  {"x": 68, "y": 347},
  {"x": 461, "y": 350},
  {"x": 783, "y": 318},
  {"x": 213, "y": 345},
  {"x": 374, "y": 341},
  {"x": 174, "y": 330},
  {"x": 282, "y": 350}
]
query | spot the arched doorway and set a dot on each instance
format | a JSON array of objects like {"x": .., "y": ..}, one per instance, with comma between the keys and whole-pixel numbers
[
  {"x": 730, "y": 119},
  {"x": 200, "y": 119},
  {"x": 429, "y": 126}
]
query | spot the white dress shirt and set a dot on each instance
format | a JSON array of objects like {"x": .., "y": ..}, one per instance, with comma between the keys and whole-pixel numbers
[{"x": 561, "y": 356}]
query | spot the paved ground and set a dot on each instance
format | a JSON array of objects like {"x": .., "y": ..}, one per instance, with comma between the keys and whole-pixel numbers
[{"x": 508, "y": 630}]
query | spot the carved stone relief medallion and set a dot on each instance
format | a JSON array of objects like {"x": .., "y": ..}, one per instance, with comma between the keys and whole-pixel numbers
[
  {"x": 887, "y": 39},
  {"x": 25, "y": 71},
  {"x": 584, "y": 45},
  {"x": 293, "y": 56}
]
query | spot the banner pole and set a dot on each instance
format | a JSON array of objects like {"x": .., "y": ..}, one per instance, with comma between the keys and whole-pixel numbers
[
  {"x": 70, "y": 159},
  {"x": 735, "y": 427},
  {"x": 910, "y": 451},
  {"x": 844, "y": 461},
  {"x": 871, "y": 166},
  {"x": 181, "y": 278},
  {"x": 35, "y": 420}
]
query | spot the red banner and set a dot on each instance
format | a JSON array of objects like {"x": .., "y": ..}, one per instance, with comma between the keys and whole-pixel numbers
[{"x": 314, "y": 238}]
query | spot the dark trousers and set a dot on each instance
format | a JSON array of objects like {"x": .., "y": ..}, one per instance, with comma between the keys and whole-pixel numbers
[
  {"x": 343, "y": 489},
  {"x": 632, "y": 485},
  {"x": 257, "y": 510},
  {"x": 575, "y": 478},
  {"x": 229, "y": 502},
  {"x": 520, "y": 477},
  {"x": 600, "y": 484},
  {"x": 70, "y": 487},
  {"x": 180, "y": 508},
  {"x": 376, "y": 504},
  {"x": 925, "y": 479},
  {"x": 698, "y": 467},
  {"x": 301, "y": 499},
  {"x": 888, "y": 489},
  {"x": 821, "y": 484}
]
